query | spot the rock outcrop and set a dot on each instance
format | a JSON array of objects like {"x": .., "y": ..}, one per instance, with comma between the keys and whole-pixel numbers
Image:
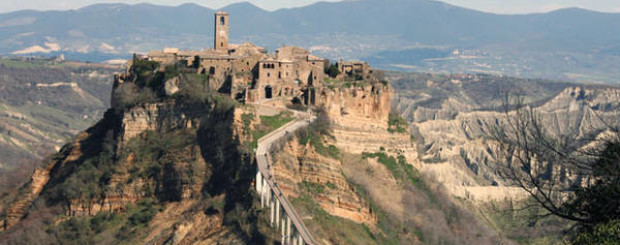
[
  {"x": 180, "y": 181},
  {"x": 452, "y": 129},
  {"x": 300, "y": 166}
]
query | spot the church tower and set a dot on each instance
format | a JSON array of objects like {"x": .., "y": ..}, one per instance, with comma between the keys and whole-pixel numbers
[{"x": 221, "y": 31}]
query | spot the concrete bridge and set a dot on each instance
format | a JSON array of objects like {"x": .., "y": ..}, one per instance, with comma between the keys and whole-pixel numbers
[{"x": 282, "y": 216}]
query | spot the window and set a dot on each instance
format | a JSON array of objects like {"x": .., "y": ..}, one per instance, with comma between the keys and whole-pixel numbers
[
  {"x": 222, "y": 20},
  {"x": 268, "y": 92}
]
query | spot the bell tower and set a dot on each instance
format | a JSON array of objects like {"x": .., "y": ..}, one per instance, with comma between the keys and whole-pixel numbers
[{"x": 221, "y": 31}]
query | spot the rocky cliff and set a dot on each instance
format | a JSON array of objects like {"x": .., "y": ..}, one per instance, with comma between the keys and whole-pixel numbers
[
  {"x": 453, "y": 125},
  {"x": 178, "y": 167},
  {"x": 168, "y": 170},
  {"x": 358, "y": 174}
]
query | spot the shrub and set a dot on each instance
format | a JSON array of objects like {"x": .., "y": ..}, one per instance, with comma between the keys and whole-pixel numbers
[
  {"x": 311, "y": 187},
  {"x": 603, "y": 234},
  {"x": 194, "y": 89},
  {"x": 332, "y": 70},
  {"x": 128, "y": 95},
  {"x": 144, "y": 214},
  {"x": 396, "y": 123}
]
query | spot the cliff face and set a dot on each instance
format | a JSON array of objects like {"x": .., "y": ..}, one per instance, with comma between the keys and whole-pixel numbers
[
  {"x": 452, "y": 127},
  {"x": 369, "y": 179},
  {"x": 299, "y": 167},
  {"x": 169, "y": 161}
]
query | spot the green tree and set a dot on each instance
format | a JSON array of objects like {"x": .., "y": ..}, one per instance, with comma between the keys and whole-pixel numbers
[
  {"x": 196, "y": 62},
  {"x": 332, "y": 70}
]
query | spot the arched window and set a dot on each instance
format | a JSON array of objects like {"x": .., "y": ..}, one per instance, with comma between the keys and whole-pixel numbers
[{"x": 222, "y": 20}]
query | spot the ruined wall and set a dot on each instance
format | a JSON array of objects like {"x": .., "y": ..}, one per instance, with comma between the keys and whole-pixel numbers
[{"x": 366, "y": 103}]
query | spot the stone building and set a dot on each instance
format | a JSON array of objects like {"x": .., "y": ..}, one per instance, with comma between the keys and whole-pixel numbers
[
  {"x": 250, "y": 74},
  {"x": 355, "y": 69}
]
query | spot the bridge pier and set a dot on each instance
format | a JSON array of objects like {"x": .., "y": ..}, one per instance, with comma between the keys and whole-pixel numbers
[
  {"x": 277, "y": 213},
  {"x": 282, "y": 215},
  {"x": 288, "y": 230},
  {"x": 283, "y": 228},
  {"x": 272, "y": 214}
]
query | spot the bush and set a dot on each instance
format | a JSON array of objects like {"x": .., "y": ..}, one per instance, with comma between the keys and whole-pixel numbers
[
  {"x": 313, "y": 134},
  {"x": 194, "y": 89},
  {"x": 128, "y": 95},
  {"x": 144, "y": 214},
  {"x": 603, "y": 234},
  {"x": 400, "y": 169},
  {"x": 311, "y": 187},
  {"x": 396, "y": 123},
  {"x": 332, "y": 70}
]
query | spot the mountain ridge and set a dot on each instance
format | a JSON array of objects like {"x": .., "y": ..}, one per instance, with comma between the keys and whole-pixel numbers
[{"x": 572, "y": 44}]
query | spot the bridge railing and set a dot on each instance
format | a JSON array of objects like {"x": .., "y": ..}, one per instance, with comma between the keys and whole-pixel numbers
[{"x": 263, "y": 162}]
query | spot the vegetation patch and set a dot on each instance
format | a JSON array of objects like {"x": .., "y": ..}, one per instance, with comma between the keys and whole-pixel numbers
[
  {"x": 167, "y": 159},
  {"x": 401, "y": 170},
  {"x": 311, "y": 187},
  {"x": 396, "y": 123},
  {"x": 106, "y": 227},
  {"x": 269, "y": 124},
  {"x": 322, "y": 224},
  {"x": 314, "y": 133},
  {"x": 317, "y": 143}
]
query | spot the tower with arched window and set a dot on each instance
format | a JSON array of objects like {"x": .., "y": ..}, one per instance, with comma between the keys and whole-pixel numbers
[{"x": 221, "y": 31}]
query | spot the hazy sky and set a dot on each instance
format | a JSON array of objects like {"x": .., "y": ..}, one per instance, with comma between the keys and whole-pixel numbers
[{"x": 496, "y": 6}]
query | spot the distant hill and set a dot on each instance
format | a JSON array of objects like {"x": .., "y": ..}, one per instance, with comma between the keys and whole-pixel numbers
[
  {"x": 42, "y": 105},
  {"x": 569, "y": 43}
]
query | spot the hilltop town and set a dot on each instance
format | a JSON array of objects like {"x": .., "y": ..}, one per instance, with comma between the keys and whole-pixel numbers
[
  {"x": 204, "y": 130},
  {"x": 249, "y": 73}
]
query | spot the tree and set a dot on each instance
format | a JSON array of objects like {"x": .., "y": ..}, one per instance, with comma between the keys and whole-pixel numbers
[
  {"x": 196, "y": 63},
  {"x": 572, "y": 177},
  {"x": 332, "y": 70}
]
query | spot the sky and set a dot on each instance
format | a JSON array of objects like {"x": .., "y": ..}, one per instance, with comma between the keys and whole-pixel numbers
[{"x": 493, "y": 6}]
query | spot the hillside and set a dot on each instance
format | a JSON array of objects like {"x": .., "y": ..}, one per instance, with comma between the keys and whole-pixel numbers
[
  {"x": 452, "y": 115},
  {"x": 180, "y": 168},
  {"x": 42, "y": 105},
  {"x": 572, "y": 44},
  {"x": 452, "y": 118}
]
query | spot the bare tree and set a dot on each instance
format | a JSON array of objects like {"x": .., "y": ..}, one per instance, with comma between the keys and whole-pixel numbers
[{"x": 570, "y": 176}]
